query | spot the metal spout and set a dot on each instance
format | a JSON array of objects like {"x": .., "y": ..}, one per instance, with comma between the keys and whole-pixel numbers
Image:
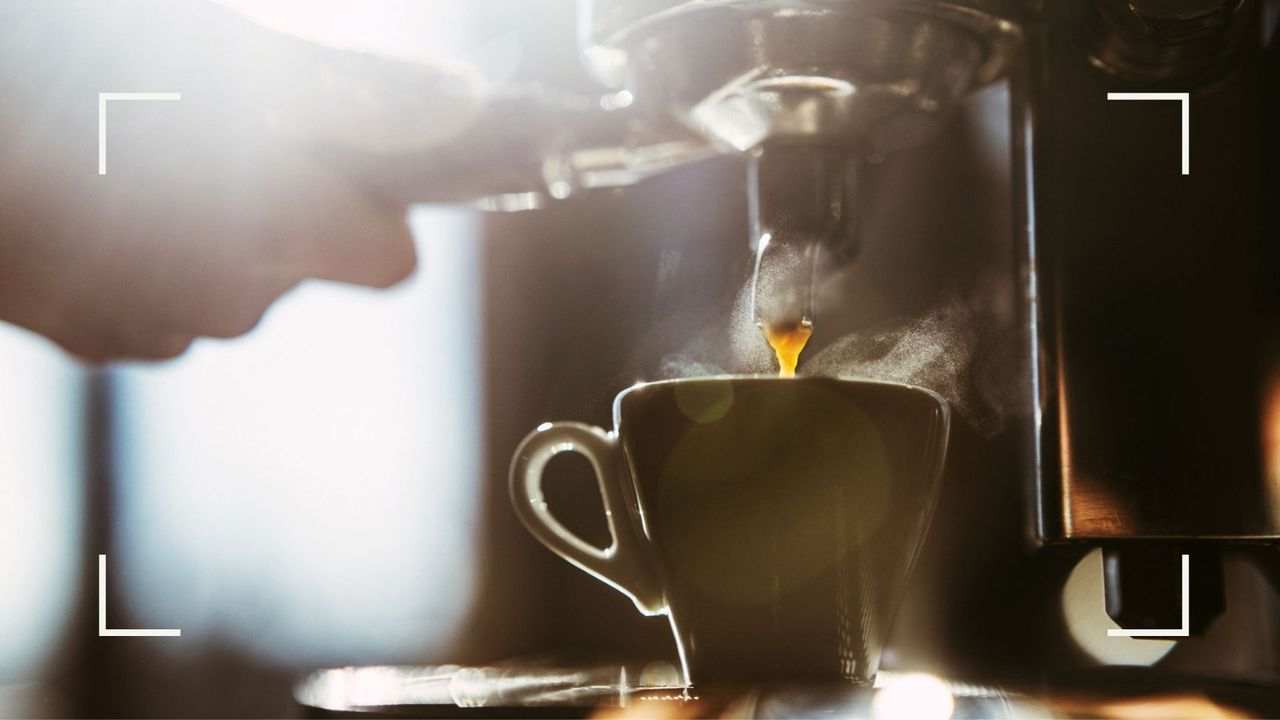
[{"x": 802, "y": 220}]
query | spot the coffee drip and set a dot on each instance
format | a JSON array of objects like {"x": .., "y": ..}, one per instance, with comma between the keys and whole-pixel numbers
[{"x": 788, "y": 341}]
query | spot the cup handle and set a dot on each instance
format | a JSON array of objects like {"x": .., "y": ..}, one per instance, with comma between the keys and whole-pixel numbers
[{"x": 623, "y": 564}]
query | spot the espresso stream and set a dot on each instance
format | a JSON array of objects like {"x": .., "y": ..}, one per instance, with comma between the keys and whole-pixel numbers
[{"x": 788, "y": 342}]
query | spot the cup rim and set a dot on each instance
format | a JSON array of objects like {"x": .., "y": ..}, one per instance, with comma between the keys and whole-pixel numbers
[{"x": 943, "y": 405}]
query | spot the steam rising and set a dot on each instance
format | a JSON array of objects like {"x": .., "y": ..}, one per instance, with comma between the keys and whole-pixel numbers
[
  {"x": 738, "y": 348},
  {"x": 950, "y": 349},
  {"x": 939, "y": 351}
]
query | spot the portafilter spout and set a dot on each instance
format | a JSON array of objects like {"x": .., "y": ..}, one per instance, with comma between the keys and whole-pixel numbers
[
  {"x": 803, "y": 218},
  {"x": 806, "y": 90}
]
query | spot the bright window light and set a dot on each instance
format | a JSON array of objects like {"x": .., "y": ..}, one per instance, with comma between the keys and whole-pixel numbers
[
  {"x": 41, "y": 396},
  {"x": 309, "y": 492}
]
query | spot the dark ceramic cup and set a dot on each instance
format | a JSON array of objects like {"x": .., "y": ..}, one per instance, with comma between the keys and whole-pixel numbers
[{"x": 774, "y": 521}]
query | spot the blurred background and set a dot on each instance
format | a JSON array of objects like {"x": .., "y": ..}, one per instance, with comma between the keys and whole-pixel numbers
[{"x": 308, "y": 494}]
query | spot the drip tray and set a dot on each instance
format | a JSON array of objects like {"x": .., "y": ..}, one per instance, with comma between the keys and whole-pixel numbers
[
  {"x": 523, "y": 690},
  {"x": 648, "y": 691}
]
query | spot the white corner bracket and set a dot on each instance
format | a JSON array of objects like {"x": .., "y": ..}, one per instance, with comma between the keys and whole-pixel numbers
[
  {"x": 1185, "y": 630},
  {"x": 102, "y": 117},
  {"x": 103, "y": 630},
  {"x": 1185, "y": 99}
]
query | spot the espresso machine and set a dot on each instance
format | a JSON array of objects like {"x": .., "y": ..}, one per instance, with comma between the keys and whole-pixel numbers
[{"x": 1130, "y": 298}]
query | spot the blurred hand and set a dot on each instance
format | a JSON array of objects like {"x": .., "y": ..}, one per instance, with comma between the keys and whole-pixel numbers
[{"x": 212, "y": 205}]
